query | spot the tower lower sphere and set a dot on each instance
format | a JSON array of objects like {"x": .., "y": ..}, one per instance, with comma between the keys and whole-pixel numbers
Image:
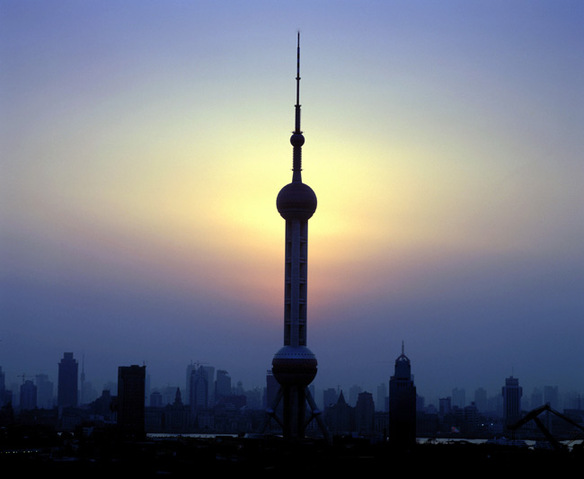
[{"x": 294, "y": 368}]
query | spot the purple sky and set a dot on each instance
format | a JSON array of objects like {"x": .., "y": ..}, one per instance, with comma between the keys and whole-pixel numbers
[{"x": 143, "y": 143}]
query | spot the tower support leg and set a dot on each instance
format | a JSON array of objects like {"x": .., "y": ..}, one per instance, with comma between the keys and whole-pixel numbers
[{"x": 294, "y": 400}]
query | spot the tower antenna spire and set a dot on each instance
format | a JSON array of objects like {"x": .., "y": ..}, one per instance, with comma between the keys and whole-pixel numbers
[
  {"x": 297, "y": 118},
  {"x": 297, "y": 139}
]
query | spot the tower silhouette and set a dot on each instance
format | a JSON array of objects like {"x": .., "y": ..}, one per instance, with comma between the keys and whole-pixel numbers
[
  {"x": 402, "y": 404},
  {"x": 294, "y": 366}
]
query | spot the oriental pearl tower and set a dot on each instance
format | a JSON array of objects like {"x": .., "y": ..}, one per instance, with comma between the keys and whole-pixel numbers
[{"x": 294, "y": 366}]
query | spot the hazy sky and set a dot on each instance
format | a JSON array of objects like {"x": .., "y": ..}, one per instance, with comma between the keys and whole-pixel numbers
[{"x": 143, "y": 143}]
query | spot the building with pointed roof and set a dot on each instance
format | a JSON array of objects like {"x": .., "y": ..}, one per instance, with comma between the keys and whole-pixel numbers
[{"x": 402, "y": 404}]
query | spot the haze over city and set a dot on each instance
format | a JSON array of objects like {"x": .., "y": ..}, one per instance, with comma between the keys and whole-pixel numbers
[{"x": 143, "y": 144}]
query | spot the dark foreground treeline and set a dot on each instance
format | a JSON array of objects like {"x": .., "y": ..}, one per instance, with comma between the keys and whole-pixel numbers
[{"x": 33, "y": 451}]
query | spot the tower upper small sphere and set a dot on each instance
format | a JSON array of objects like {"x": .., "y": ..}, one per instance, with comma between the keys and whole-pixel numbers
[{"x": 297, "y": 139}]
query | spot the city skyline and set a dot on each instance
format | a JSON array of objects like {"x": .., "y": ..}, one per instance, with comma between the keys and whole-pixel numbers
[
  {"x": 141, "y": 149},
  {"x": 456, "y": 392}
]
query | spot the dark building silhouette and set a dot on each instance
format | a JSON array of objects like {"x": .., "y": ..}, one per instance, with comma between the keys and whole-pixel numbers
[
  {"x": 175, "y": 417},
  {"x": 480, "y": 399},
  {"x": 365, "y": 414},
  {"x": 3, "y": 395},
  {"x": 195, "y": 372},
  {"x": 199, "y": 389},
  {"x": 512, "y": 393},
  {"x": 402, "y": 404},
  {"x": 329, "y": 397},
  {"x": 272, "y": 388},
  {"x": 471, "y": 420},
  {"x": 103, "y": 407},
  {"x": 551, "y": 396},
  {"x": 45, "y": 394},
  {"x": 130, "y": 406},
  {"x": 200, "y": 396},
  {"x": 28, "y": 395},
  {"x": 222, "y": 385},
  {"x": 67, "y": 389},
  {"x": 340, "y": 417},
  {"x": 156, "y": 398},
  {"x": 294, "y": 365}
]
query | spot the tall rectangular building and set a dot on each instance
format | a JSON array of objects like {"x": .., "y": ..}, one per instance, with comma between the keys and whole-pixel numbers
[
  {"x": 2, "y": 387},
  {"x": 512, "y": 393},
  {"x": 365, "y": 413},
  {"x": 45, "y": 395},
  {"x": 28, "y": 395},
  {"x": 131, "y": 393},
  {"x": 402, "y": 404},
  {"x": 67, "y": 388},
  {"x": 222, "y": 385}
]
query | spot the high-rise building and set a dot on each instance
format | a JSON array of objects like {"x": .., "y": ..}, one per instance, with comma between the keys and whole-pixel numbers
[
  {"x": 204, "y": 394},
  {"x": 402, "y": 404},
  {"x": 382, "y": 403},
  {"x": 272, "y": 389},
  {"x": 222, "y": 384},
  {"x": 354, "y": 392},
  {"x": 512, "y": 393},
  {"x": 2, "y": 387},
  {"x": 199, "y": 393},
  {"x": 551, "y": 396},
  {"x": 294, "y": 366},
  {"x": 444, "y": 406},
  {"x": 364, "y": 413},
  {"x": 82, "y": 399},
  {"x": 131, "y": 396},
  {"x": 329, "y": 397},
  {"x": 28, "y": 395},
  {"x": 67, "y": 388},
  {"x": 340, "y": 417},
  {"x": 536, "y": 399},
  {"x": 190, "y": 368},
  {"x": 156, "y": 399},
  {"x": 480, "y": 399},
  {"x": 471, "y": 419},
  {"x": 45, "y": 395},
  {"x": 459, "y": 397}
]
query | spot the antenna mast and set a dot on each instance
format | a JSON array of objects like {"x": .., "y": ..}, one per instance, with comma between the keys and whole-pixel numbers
[{"x": 297, "y": 125}]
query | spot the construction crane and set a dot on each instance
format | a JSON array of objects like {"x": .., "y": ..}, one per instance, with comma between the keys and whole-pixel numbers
[{"x": 533, "y": 415}]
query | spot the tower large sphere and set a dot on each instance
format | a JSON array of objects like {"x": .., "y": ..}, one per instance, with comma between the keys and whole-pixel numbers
[
  {"x": 294, "y": 365},
  {"x": 296, "y": 200}
]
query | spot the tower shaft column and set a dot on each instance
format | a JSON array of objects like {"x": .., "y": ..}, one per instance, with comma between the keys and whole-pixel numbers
[
  {"x": 295, "y": 283},
  {"x": 294, "y": 407}
]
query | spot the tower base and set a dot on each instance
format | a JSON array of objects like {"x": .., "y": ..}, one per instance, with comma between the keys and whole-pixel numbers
[{"x": 295, "y": 398}]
